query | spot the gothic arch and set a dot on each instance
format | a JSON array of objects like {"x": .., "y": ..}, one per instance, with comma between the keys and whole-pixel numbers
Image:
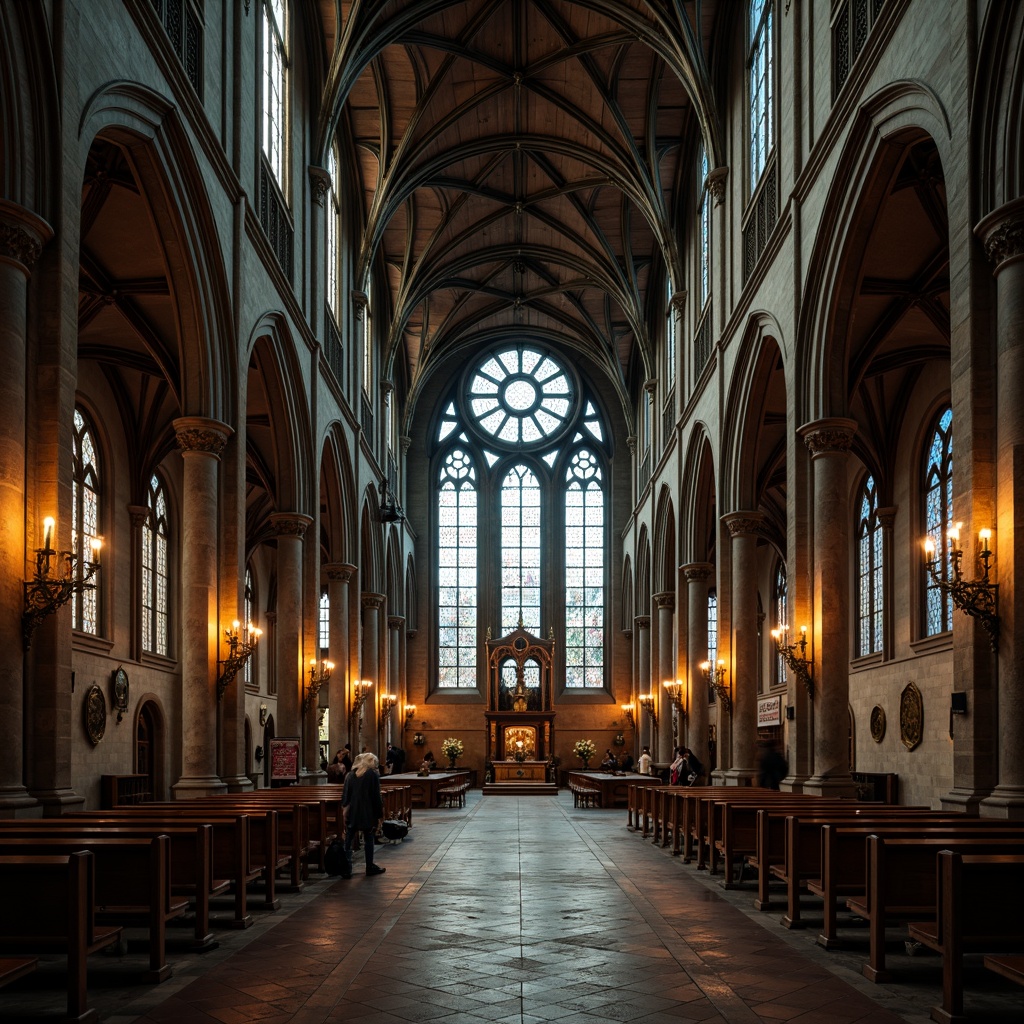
[
  {"x": 337, "y": 506},
  {"x": 665, "y": 543},
  {"x": 698, "y": 496},
  {"x": 643, "y": 573},
  {"x": 371, "y": 545}
]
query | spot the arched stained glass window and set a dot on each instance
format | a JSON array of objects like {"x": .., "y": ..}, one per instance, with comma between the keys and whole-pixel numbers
[
  {"x": 584, "y": 571},
  {"x": 780, "y": 601},
  {"x": 670, "y": 337},
  {"x": 712, "y": 638},
  {"x": 760, "y": 76},
  {"x": 325, "y": 622},
  {"x": 333, "y": 227},
  {"x": 155, "y": 571},
  {"x": 520, "y": 550},
  {"x": 457, "y": 571},
  {"x": 938, "y": 518},
  {"x": 275, "y": 83},
  {"x": 249, "y": 612},
  {"x": 869, "y": 571},
  {"x": 85, "y": 519},
  {"x": 704, "y": 239}
]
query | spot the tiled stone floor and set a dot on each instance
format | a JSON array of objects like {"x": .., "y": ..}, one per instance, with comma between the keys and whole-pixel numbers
[{"x": 516, "y": 911}]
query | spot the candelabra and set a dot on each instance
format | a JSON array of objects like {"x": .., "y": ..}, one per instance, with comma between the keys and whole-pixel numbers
[
  {"x": 410, "y": 712},
  {"x": 674, "y": 690},
  {"x": 45, "y": 592},
  {"x": 647, "y": 703},
  {"x": 360, "y": 691},
  {"x": 387, "y": 705},
  {"x": 978, "y": 597},
  {"x": 627, "y": 710},
  {"x": 716, "y": 678},
  {"x": 797, "y": 663},
  {"x": 240, "y": 650},
  {"x": 316, "y": 680}
]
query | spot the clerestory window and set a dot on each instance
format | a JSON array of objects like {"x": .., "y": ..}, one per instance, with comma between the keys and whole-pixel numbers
[
  {"x": 155, "y": 564},
  {"x": 938, "y": 519},
  {"x": 85, "y": 519},
  {"x": 869, "y": 571}
]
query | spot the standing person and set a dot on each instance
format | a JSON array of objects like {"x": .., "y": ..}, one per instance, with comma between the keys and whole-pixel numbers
[
  {"x": 692, "y": 769},
  {"x": 677, "y": 777},
  {"x": 336, "y": 769},
  {"x": 395, "y": 759},
  {"x": 364, "y": 809},
  {"x": 643, "y": 765},
  {"x": 346, "y": 757},
  {"x": 772, "y": 768}
]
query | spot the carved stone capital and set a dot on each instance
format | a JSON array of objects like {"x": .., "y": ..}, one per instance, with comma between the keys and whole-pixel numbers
[
  {"x": 677, "y": 304},
  {"x": 887, "y": 516},
  {"x": 338, "y": 572},
  {"x": 320, "y": 183},
  {"x": 643, "y": 622},
  {"x": 386, "y": 388},
  {"x": 373, "y": 601},
  {"x": 628, "y": 634},
  {"x": 831, "y": 436},
  {"x": 716, "y": 184},
  {"x": 199, "y": 434},
  {"x": 743, "y": 524},
  {"x": 22, "y": 234},
  {"x": 138, "y": 515},
  {"x": 405, "y": 443},
  {"x": 698, "y": 572},
  {"x": 650, "y": 386},
  {"x": 396, "y": 622},
  {"x": 1002, "y": 234},
  {"x": 666, "y": 599},
  {"x": 631, "y": 442},
  {"x": 290, "y": 524},
  {"x": 360, "y": 303}
]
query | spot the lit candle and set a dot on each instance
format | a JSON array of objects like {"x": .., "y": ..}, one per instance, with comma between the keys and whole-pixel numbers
[
  {"x": 234, "y": 625},
  {"x": 929, "y": 549},
  {"x": 95, "y": 546},
  {"x": 953, "y": 533},
  {"x": 705, "y": 665},
  {"x": 48, "y": 525},
  {"x": 985, "y": 535}
]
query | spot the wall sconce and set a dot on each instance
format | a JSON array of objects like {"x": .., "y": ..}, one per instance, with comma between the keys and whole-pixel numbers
[
  {"x": 674, "y": 689},
  {"x": 46, "y": 592},
  {"x": 977, "y": 598},
  {"x": 716, "y": 678},
  {"x": 797, "y": 663},
  {"x": 360, "y": 691},
  {"x": 316, "y": 680},
  {"x": 390, "y": 510},
  {"x": 410, "y": 712},
  {"x": 240, "y": 650},
  {"x": 627, "y": 710},
  {"x": 647, "y": 703},
  {"x": 387, "y": 705}
]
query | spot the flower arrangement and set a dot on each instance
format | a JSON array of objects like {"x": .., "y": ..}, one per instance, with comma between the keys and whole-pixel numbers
[
  {"x": 584, "y": 750},
  {"x": 452, "y": 748}
]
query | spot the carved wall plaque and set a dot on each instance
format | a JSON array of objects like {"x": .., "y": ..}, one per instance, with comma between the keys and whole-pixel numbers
[
  {"x": 878, "y": 723},
  {"x": 95, "y": 714},
  {"x": 911, "y": 716}
]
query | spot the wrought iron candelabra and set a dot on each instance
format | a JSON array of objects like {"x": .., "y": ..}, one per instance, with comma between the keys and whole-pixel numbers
[
  {"x": 317, "y": 678},
  {"x": 715, "y": 675},
  {"x": 241, "y": 647},
  {"x": 360, "y": 691},
  {"x": 48, "y": 590},
  {"x": 674, "y": 690},
  {"x": 387, "y": 706},
  {"x": 797, "y": 663},
  {"x": 978, "y": 597},
  {"x": 410, "y": 712},
  {"x": 647, "y": 703},
  {"x": 627, "y": 710}
]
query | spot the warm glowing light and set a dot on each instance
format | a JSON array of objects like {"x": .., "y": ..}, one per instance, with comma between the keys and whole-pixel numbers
[
  {"x": 96, "y": 545},
  {"x": 929, "y": 548},
  {"x": 48, "y": 524},
  {"x": 705, "y": 665}
]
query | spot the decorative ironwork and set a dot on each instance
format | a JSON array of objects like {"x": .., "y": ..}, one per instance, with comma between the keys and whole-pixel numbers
[
  {"x": 762, "y": 215},
  {"x": 387, "y": 706},
  {"x": 317, "y": 678},
  {"x": 797, "y": 663},
  {"x": 674, "y": 689},
  {"x": 275, "y": 220},
  {"x": 978, "y": 598},
  {"x": 715, "y": 677},
  {"x": 627, "y": 710},
  {"x": 646, "y": 701},
  {"x": 240, "y": 649},
  {"x": 360, "y": 691},
  {"x": 95, "y": 710}
]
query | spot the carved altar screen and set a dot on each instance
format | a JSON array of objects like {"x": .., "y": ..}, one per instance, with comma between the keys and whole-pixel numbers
[{"x": 519, "y": 695}]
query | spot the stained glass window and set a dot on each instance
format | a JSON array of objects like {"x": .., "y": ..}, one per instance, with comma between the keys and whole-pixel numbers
[
  {"x": 155, "y": 571},
  {"x": 712, "y": 638},
  {"x": 457, "y": 571},
  {"x": 249, "y": 612},
  {"x": 520, "y": 550},
  {"x": 938, "y": 518},
  {"x": 704, "y": 215},
  {"x": 325, "y": 622},
  {"x": 333, "y": 225},
  {"x": 780, "y": 599},
  {"x": 759, "y": 70},
  {"x": 869, "y": 571},
  {"x": 85, "y": 519},
  {"x": 670, "y": 338},
  {"x": 275, "y": 65},
  {"x": 584, "y": 572}
]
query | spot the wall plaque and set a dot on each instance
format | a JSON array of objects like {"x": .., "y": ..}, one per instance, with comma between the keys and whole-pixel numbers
[
  {"x": 911, "y": 716},
  {"x": 878, "y": 723},
  {"x": 95, "y": 713}
]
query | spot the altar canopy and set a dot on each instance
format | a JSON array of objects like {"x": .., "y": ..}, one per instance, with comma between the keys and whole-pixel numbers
[{"x": 520, "y": 717}]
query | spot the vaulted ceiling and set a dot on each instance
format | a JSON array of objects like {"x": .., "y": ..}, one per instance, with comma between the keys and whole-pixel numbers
[{"x": 521, "y": 164}]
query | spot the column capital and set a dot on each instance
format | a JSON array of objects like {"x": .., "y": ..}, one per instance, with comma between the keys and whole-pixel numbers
[
  {"x": 405, "y": 443},
  {"x": 22, "y": 235},
  {"x": 830, "y": 436},
  {"x": 338, "y": 572},
  {"x": 201, "y": 434},
  {"x": 643, "y": 622},
  {"x": 716, "y": 184},
  {"x": 320, "y": 182},
  {"x": 887, "y": 516},
  {"x": 666, "y": 599},
  {"x": 651, "y": 385},
  {"x": 1002, "y": 234},
  {"x": 396, "y": 621},
  {"x": 741, "y": 524},
  {"x": 698, "y": 572},
  {"x": 360, "y": 302},
  {"x": 289, "y": 524},
  {"x": 138, "y": 515},
  {"x": 677, "y": 304},
  {"x": 372, "y": 601},
  {"x": 631, "y": 444}
]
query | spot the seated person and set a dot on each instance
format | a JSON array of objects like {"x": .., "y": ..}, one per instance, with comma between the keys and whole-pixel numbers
[
  {"x": 610, "y": 762},
  {"x": 626, "y": 764}
]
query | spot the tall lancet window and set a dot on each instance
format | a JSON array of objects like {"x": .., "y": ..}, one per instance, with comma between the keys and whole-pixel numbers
[
  {"x": 780, "y": 599},
  {"x": 275, "y": 86},
  {"x": 584, "y": 572},
  {"x": 333, "y": 217},
  {"x": 869, "y": 571},
  {"x": 704, "y": 238},
  {"x": 85, "y": 518},
  {"x": 457, "y": 571},
  {"x": 712, "y": 638},
  {"x": 155, "y": 631},
  {"x": 249, "y": 613},
  {"x": 760, "y": 75},
  {"x": 520, "y": 550},
  {"x": 938, "y": 519}
]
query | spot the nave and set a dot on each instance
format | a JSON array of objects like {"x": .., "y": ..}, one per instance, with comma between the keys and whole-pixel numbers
[{"x": 514, "y": 911}]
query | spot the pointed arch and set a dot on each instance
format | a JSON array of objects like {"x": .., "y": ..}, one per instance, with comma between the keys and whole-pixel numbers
[{"x": 665, "y": 561}]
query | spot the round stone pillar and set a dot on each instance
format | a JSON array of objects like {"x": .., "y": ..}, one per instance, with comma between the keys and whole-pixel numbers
[
  {"x": 22, "y": 237},
  {"x": 698, "y": 580},
  {"x": 1003, "y": 235},
  {"x": 201, "y": 442},
  {"x": 396, "y": 623},
  {"x": 290, "y": 528},
  {"x": 366, "y": 727},
  {"x": 339, "y": 576},
  {"x": 645, "y": 724},
  {"x": 744, "y": 530},
  {"x": 828, "y": 441},
  {"x": 666, "y": 605}
]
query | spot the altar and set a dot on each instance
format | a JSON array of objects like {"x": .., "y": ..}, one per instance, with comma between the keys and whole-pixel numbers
[{"x": 520, "y": 771}]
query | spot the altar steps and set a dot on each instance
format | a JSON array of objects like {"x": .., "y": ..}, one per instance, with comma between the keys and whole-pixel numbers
[{"x": 520, "y": 789}]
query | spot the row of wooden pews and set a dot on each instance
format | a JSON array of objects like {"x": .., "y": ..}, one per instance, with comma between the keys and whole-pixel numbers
[
  {"x": 80, "y": 879},
  {"x": 881, "y": 863}
]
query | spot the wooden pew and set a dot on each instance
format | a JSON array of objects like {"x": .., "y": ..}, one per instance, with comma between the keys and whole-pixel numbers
[
  {"x": 131, "y": 883},
  {"x": 980, "y": 909},
  {"x": 13, "y": 968},
  {"x": 902, "y": 881},
  {"x": 49, "y": 907}
]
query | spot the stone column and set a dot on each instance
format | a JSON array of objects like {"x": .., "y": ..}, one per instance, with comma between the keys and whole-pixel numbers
[
  {"x": 396, "y": 623},
  {"x": 744, "y": 529},
  {"x": 645, "y": 727},
  {"x": 22, "y": 237},
  {"x": 366, "y": 728},
  {"x": 828, "y": 441},
  {"x": 1003, "y": 235},
  {"x": 201, "y": 442},
  {"x": 290, "y": 528},
  {"x": 339, "y": 575},
  {"x": 666, "y": 605},
  {"x": 698, "y": 579}
]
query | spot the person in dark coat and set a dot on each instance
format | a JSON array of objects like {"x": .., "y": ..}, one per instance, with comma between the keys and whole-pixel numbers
[
  {"x": 773, "y": 767},
  {"x": 395, "y": 760},
  {"x": 346, "y": 758},
  {"x": 692, "y": 770},
  {"x": 364, "y": 809}
]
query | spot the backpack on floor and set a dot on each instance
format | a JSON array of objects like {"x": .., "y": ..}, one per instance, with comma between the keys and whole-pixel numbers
[
  {"x": 394, "y": 831},
  {"x": 334, "y": 858}
]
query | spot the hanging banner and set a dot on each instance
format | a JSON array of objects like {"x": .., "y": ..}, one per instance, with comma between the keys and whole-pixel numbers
[
  {"x": 284, "y": 759},
  {"x": 769, "y": 710}
]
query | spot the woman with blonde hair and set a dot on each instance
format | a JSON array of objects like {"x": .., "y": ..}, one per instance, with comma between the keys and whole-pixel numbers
[{"x": 363, "y": 807}]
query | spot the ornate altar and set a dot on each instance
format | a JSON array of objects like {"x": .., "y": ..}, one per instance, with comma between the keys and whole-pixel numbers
[{"x": 520, "y": 717}]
